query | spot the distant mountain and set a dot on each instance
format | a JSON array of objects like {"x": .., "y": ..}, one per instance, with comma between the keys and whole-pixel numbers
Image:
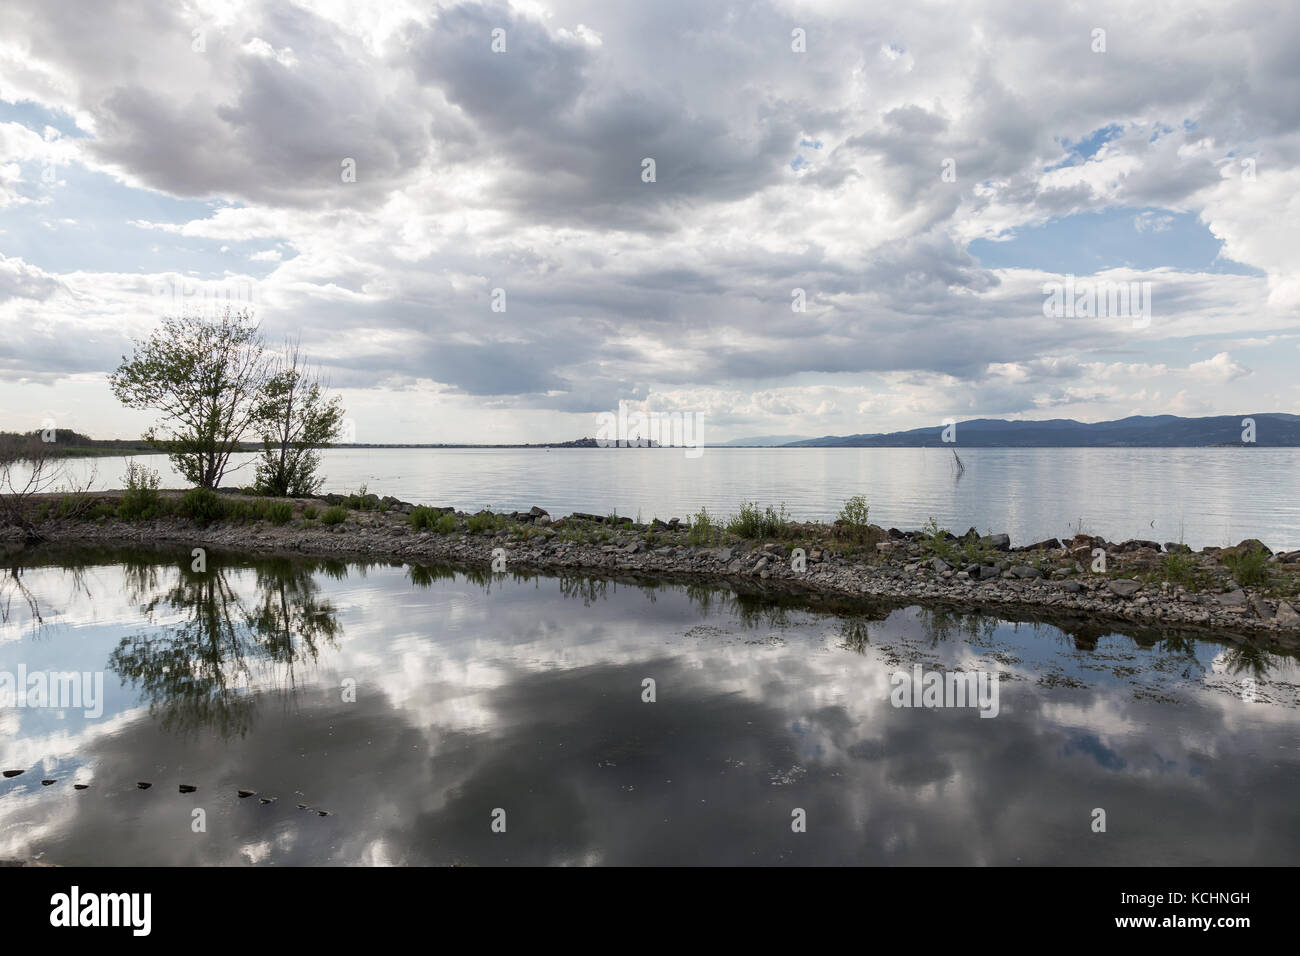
[
  {"x": 763, "y": 441},
  {"x": 1138, "y": 431}
]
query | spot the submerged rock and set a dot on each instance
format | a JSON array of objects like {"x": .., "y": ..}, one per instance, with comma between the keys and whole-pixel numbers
[
  {"x": 14, "y": 773},
  {"x": 246, "y": 793},
  {"x": 187, "y": 788},
  {"x": 143, "y": 785}
]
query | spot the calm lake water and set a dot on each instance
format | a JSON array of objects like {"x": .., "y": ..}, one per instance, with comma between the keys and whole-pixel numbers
[
  {"x": 1206, "y": 496},
  {"x": 417, "y": 705}
]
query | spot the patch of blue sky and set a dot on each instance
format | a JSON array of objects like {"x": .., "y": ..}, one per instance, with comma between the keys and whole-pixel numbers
[
  {"x": 1120, "y": 237},
  {"x": 36, "y": 117},
  {"x": 83, "y": 222}
]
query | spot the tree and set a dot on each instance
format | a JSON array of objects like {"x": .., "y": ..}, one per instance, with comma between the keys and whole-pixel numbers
[
  {"x": 296, "y": 419},
  {"x": 30, "y": 467},
  {"x": 206, "y": 378}
]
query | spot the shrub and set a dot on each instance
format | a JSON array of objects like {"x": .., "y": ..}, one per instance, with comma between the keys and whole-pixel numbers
[
  {"x": 1178, "y": 568},
  {"x": 280, "y": 512},
  {"x": 752, "y": 523},
  {"x": 703, "y": 528},
  {"x": 445, "y": 524},
  {"x": 854, "y": 518},
  {"x": 422, "y": 516},
  {"x": 485, "y": 521},
  {"x": 309, "y": 511},
  {"x": 140, "y": 499},
  {"x": 203, "y": 505},
  {"x": 335, "y": 515},
  {"x": 935, "y": 540},
  {"x": 1249, "y": 567}
]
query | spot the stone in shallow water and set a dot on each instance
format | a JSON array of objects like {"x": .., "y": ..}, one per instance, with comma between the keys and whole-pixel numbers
[
  {"x": 187, "y": 788},
  {"x": 246, "y": 793},
  {"x": 13, "y": 773},
  {"x": 143, "y": 785}
]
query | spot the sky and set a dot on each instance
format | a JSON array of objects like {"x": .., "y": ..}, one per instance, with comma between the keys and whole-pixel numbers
[{"x": 856, "y": 219}]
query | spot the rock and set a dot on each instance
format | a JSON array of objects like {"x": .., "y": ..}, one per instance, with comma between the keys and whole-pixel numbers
[
  {"x": 188, "y": 788},
  {"x": 1261, "y": 608},
  {"x": 987, "y": 572},
  {"x": 1137, "y": 544},
  {"x": 963, "y": 576},
  {"x": 80, "y": 786},
  {"x": 1286, "y": 615},
  {"x": 536, "y": 512},
  {"x": 1174, "y": 547},
  {"x": 1124, "y": 587},
  {"x": 13, "y": 773},
  {"x": 1000, "y": 541},
  {"x": 142, "y": 785},
  {"x": 1025, "y": 571},
  {"x": 633, "y": 548},
  {"x": 1235, "y": 598},
  {"x": 246, "y": 793},
  {"x": 1073, "y": 587},
  {"x": 265, "y": 800},
  {"x": 322, "y": 813},
  {"x": 1049, "y": 544},
  {"x": 48, "y": 783},
  {"x": 1252, "y": 544},
  {"x": 724, "y": 554},
  {"x": 940, "y": 565}
]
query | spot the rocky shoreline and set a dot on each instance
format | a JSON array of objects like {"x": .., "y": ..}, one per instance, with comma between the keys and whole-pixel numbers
[{"x": 1140, "y": 582}]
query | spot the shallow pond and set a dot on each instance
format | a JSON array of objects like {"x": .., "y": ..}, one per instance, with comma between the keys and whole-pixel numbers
[{"x": 445, "y": 717}]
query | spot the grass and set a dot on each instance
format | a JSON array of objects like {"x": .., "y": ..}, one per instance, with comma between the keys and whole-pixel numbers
[{"x": 309, "y": 512}]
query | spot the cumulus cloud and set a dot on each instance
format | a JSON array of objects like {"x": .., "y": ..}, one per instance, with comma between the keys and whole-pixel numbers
[{"x": 858, "y": 171}]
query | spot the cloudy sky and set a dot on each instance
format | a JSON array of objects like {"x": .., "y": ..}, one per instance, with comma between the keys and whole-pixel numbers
[{"x": 368, "y": 172}]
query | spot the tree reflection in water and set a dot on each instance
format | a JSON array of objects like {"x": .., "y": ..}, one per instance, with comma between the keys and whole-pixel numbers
[{"x": 206, "y": 648}]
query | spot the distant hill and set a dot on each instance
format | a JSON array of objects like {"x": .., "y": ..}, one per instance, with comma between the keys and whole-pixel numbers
[
  {"x": 1139, "y": 431},
  {"x": 763, "y": 441}
]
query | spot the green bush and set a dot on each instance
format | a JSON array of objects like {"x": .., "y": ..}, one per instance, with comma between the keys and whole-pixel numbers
[
  {"x": 1249, "y": 567},
  {"x": 280, "y": 512},
  {"x": 422, "y": 516},
  {"x": 486, "y": 521},
  {"x": 703, "y": 529},
  {"x": 336, "y": 514},
  {"x": 854, "y": 519},
  {"x": 935, "y": 540},
  {"x": 445, "y": 524},
  {"x": 203, "y": 505},
  {"x": 140, "y": 499},
  {"x": 753, "y": 523},
  {"x": 309, "y": 511}
]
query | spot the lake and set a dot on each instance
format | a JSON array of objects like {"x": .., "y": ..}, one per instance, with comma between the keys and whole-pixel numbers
[
  {"x": 1201, "y": 496},
  {"x": 424, "y": 707}
]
